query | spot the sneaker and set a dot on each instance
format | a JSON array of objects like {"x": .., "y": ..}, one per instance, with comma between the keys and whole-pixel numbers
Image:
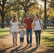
[
  {"x": 13, "y": 45},
  {"x": 27, "y": 44},
  {"x": 30, "y": 45},
  {"x": 21, "y": 45},
  {"x": 39, "y": 45},
  {"x": 16, "y": 44}
]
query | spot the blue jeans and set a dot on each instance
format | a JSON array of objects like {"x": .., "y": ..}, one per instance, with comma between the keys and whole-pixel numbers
[
  {"x": 27, "y": 32},
  {"x": 38, "y": 34},
  {"x": 21, "y": 39}
]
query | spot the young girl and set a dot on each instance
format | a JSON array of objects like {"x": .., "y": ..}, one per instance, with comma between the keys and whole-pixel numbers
[
  {"x": 22, "y": 33},
  {"x": 14, "y": 26}
]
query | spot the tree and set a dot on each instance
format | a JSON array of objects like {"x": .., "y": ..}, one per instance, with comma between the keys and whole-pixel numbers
[
  {"x": 45, "y": 14},
  {"x": 26, "y": 4},
  {"x": 51, "y": 5},
  {"x": 7, "y": 6},
  {"x": 4, "y": 8}
]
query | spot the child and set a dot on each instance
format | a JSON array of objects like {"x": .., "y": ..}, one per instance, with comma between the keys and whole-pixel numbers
[{"x": 22, "y": 33}]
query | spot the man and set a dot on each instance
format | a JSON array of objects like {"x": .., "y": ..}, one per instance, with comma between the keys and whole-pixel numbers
[{"x": 28, "y": 23}]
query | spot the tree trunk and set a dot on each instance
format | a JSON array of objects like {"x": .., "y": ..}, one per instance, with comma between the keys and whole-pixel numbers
[
  {"x": 25, "y": 13},
  {"x": 2, "y": 20},
  {"x": 2, "y": 15},
  {"x": 45, "y": 16},
  {"x": 25, "y": 9}
]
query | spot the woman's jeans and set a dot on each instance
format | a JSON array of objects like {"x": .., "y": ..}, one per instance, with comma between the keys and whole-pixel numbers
[
  {"x": 29, "y": 32},
  {"x": 38, "y": 34},
  {"x": 14, "y": 34}
]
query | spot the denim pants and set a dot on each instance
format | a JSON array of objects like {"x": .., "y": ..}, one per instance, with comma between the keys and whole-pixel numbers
[
  {"x": 38, "y": 34},
  {"x": 14, "y": 34},
  {"x": 29, "y": 32}
]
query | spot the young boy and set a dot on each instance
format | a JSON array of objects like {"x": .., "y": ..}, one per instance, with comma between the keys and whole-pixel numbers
[{"x": 22, "y": 33}]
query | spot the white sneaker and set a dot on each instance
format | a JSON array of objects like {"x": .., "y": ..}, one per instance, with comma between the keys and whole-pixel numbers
[
  {"x": 39, "y": 45},
  {"x": 21, "y": 45},
  {"x": 36, "y": 46}
]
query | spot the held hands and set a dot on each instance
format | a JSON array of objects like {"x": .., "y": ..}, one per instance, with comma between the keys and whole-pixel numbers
[
  {"x": 33, "y": 30},
  {"x": 10, "y": 32}
]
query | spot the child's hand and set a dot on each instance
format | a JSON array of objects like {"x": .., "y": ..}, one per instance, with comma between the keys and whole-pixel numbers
[
  {"x": 10, "y": 32},
  {"x": 24, "y": 33},
  {"x": 18, "y": 31},
  {"x": 33, "y": 31}
]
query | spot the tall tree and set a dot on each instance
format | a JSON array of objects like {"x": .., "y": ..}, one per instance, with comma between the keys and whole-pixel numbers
[
  {"x": 45, "y": 15},
  {"x": 26, "y": 4},
  {"x": 4, "y": 8},
  {"x": 7, "y": 6},
  {"x": 51, "y": 5}
]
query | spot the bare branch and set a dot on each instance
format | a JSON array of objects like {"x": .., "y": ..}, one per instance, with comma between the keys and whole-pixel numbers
[
  {"x": 8, "y": 10},
  {"x": 0, "y": 4},
  {"x": 10, "y": 5}
]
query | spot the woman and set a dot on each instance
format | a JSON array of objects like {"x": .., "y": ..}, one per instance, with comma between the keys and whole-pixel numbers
[
  {"x": 37, "y": 23},
  {"x": 14, "y": 27}
]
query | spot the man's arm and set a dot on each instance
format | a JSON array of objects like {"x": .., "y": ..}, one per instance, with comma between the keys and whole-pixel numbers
[{"x": 24, "y": 23}]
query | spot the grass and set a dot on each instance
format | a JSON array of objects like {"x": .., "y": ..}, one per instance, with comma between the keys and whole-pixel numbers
[
  {"x": 47, "y": 37},
  {"x": 4, "y": 32}
]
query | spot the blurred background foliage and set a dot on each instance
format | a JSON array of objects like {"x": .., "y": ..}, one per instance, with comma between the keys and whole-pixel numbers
[{"x": 9, "y": 8}]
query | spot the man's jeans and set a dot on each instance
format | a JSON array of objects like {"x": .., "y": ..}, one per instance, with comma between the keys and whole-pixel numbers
[
  {"x": 29, "y": 32},
  {"x": 38, "y": 34}
]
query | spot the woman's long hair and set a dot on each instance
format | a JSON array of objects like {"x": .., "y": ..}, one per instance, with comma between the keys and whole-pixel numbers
[
  {"x": 37, "y": 16},
  {"x": 14, "y": 19}
]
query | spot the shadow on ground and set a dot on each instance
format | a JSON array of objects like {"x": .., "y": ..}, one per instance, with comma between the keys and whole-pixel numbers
[
  {"x": 48, "y": 51},
  {"x": 48, "y": 39},
  {"x": 23, "y": 50},
  {"x": 17, "y": 50}
]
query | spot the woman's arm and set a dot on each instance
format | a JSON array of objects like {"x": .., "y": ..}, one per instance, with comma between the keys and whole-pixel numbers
[
  {"x": 33, "y": 27},
  {"x": 41, "y": 26},
  {"x": 18, "y": 26},
  {"x": 10, "y": 27},
  {"x": 24, "y": 32}
]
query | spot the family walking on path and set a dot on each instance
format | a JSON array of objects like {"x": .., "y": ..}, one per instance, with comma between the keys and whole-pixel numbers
[{"x": 30, "y": 24}]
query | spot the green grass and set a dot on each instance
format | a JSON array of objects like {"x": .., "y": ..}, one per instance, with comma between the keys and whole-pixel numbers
[
  {"x": 4, "y": 32},
  {"x": 47, "y": 37}
]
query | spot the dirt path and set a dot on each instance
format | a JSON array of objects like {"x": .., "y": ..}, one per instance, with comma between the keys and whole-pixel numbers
[{"x": 6, "y": 46}]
